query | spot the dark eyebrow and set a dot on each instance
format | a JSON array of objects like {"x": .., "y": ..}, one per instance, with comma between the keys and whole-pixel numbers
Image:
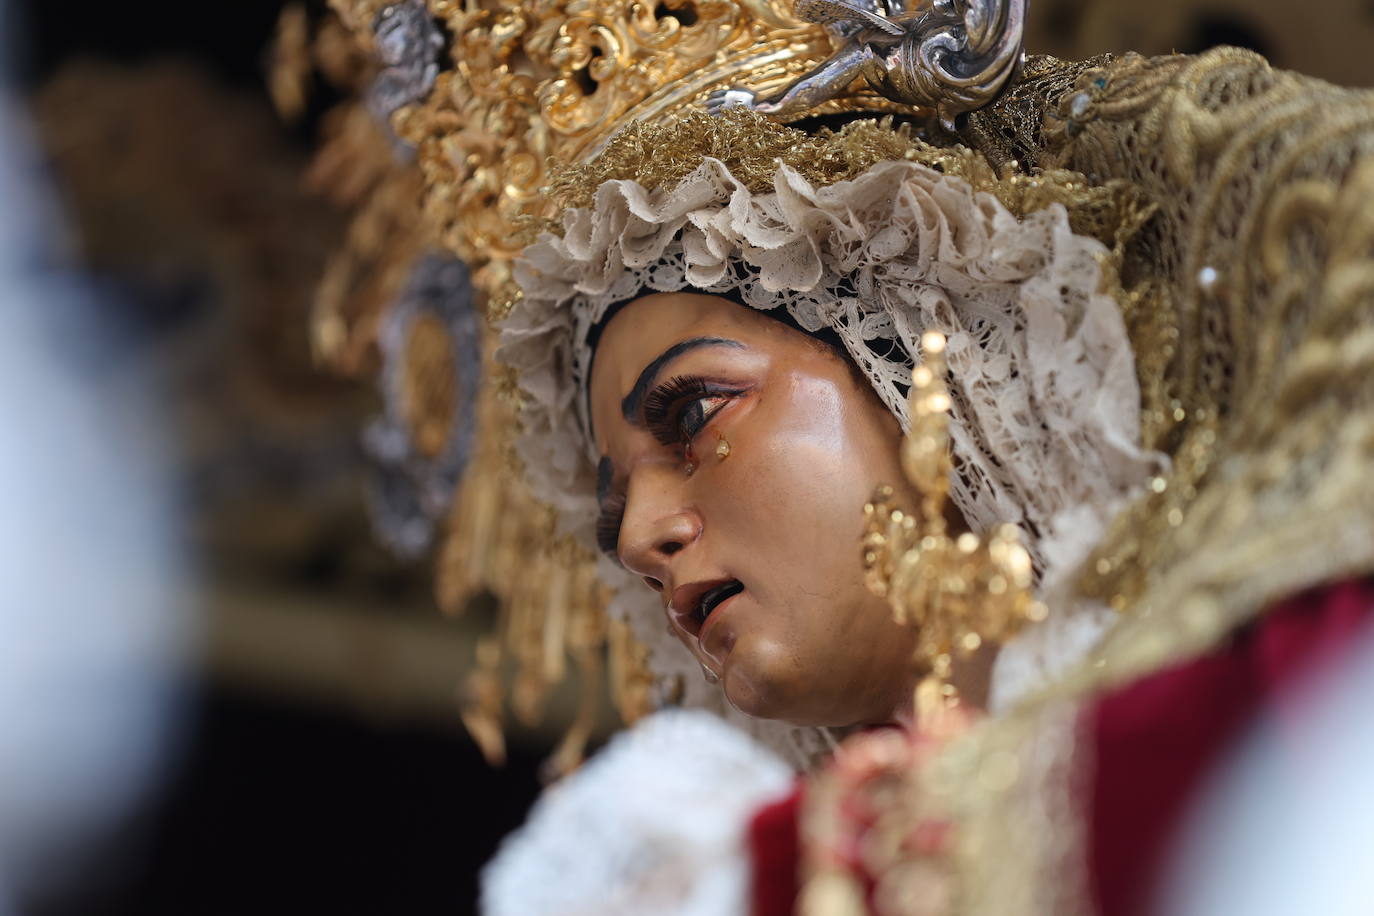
[{"x": 630, "y": 406}]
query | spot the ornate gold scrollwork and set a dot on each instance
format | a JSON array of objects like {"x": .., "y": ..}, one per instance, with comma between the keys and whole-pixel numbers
[{"x": 534, "y": 80}]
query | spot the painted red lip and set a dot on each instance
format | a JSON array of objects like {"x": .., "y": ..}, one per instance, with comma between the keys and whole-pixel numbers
[
  {"x": 712, "y": 618},
  {"x": 687, "y": 603}
]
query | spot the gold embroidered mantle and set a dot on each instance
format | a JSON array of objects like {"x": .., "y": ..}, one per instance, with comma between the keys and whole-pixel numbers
[{"x": 1250, "y": 297}]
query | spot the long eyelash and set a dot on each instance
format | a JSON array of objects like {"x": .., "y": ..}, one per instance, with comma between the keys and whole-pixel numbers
[
  {"x": 608, "y": 524},
  {"x": 661, "y": 405},
  {"x": 664, "y": 405}
]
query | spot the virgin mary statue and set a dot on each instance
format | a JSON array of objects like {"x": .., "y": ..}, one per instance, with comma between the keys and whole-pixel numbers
[{"x": 983, "y": 435}]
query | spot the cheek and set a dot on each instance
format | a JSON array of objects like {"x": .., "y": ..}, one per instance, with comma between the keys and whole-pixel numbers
[
  {"x": 786, "y": 513},
  {"x": 799, "y": 474}
]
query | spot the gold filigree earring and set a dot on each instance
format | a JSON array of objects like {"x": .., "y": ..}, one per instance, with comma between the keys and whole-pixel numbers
[{"x": 958, "y": 592}]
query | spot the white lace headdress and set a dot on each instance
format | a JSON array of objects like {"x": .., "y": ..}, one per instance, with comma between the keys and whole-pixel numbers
[{"x": 1045, "y": 429}]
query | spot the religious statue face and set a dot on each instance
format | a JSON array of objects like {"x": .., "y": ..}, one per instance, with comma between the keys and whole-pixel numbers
[{"x": 737, "y": 455}]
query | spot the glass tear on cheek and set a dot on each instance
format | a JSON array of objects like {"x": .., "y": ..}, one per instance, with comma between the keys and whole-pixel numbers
[{"x": 722, "y": 448}]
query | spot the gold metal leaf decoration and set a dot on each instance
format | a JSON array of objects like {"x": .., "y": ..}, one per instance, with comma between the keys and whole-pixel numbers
[{"x": 958, "y": 591}]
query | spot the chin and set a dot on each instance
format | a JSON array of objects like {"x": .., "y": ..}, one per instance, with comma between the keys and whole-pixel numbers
[
  {"x": 747, "y": 699},
  {"x": 751, "y": 690},
  {"x": 763, "y": 694}
]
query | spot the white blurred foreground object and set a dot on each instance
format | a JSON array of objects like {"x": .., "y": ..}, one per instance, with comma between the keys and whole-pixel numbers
[
  {"x": 655, "y": 823},
  {"x": 89, "y": 641},
  {"x": 1287, "y": 828}
]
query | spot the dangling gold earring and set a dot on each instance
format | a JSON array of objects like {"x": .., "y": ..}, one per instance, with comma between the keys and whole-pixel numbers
[
  {"x": 957, "y": 592},
  {"x": 722, "y": 447}
]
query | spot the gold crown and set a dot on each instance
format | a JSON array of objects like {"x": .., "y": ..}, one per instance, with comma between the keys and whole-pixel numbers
[
  {"x": 536, "y": 80},
  {"x": 531, "y": 81}
]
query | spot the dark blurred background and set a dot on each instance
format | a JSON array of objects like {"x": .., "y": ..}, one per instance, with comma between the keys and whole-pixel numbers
[{"x": 322, "y": 766}]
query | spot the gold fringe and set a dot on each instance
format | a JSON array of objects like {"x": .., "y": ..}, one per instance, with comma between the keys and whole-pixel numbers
[{"x": 659, "y": 155}]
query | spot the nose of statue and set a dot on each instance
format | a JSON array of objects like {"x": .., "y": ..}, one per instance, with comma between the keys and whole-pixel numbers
[{"x": 651, "y": 540}]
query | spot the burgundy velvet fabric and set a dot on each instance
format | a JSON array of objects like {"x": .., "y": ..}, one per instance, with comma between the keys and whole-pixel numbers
[
  {"x": 1154, "y": 741},
  {"x": 775, "y": 853},
  {"x": 1158, "y": 739}
]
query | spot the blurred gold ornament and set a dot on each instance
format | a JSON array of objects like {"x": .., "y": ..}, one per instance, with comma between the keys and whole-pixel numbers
[
  {"x": 497, "y": 548},
  {"x": 958, "y": 592},
  {"x": 535, "y": 81},
  {"x": 291, "y": 64}
]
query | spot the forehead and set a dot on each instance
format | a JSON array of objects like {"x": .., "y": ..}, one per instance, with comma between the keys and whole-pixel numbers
[{"x": 648, "y": 326}]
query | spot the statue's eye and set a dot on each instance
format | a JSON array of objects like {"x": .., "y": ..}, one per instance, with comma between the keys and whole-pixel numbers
[{"x": 679, "y": 409}]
